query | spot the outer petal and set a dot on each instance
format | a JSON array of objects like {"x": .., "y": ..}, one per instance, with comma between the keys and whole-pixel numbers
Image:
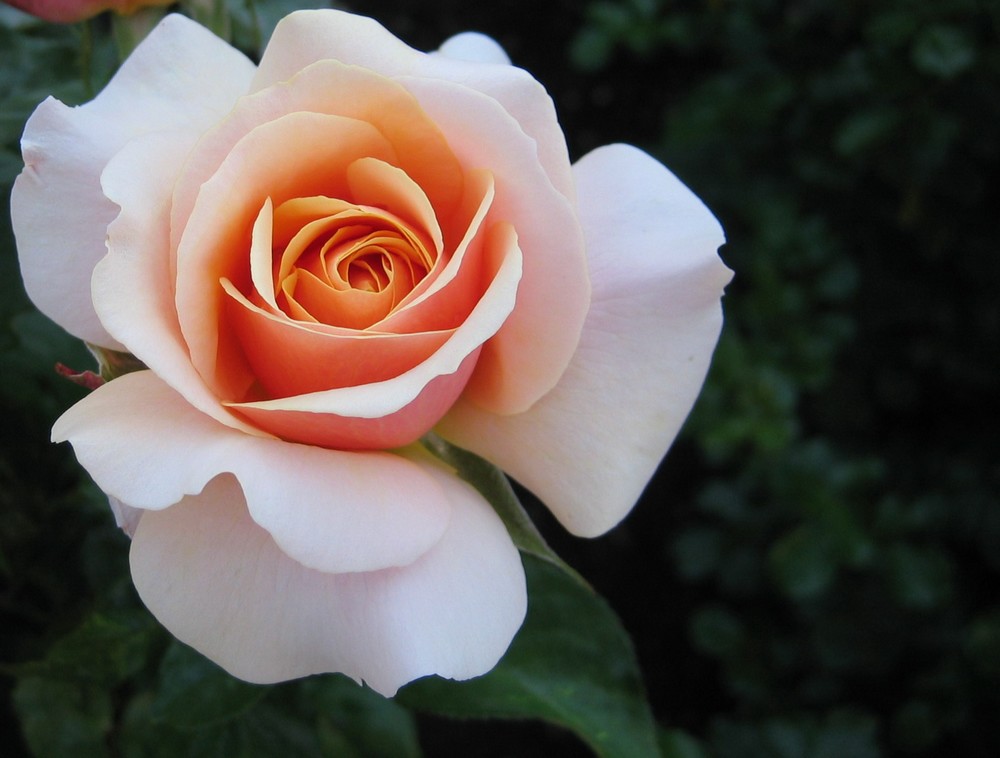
[
  {"x": 304, "y": 37},
  {"x": 590, "y": 446},
  {"x": 265, "y": 618},
  {"x": 328, "y": 509},
  {"x": 132, "y": 286},
  {"x": 532, "y": 349},
  {"x": 181, "y": 76},
  {"x": 474, "y": 48}
]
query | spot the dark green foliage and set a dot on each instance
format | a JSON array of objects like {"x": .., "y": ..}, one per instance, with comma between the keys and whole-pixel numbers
[
  {"x": 813, "y": 572},
  {"x": 838, "y": 559},
  {"x": 571, "y": 664}
]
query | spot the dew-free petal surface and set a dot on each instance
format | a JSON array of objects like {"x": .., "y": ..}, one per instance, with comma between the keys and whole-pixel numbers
[
  {"x": 332, "y": 88},
  {"x": 304, "y": 37},
  {"x": 180, "y": 77},
  {"x": 264, "y": 617},
  {"x": 298, "y": 155},
  {"x": 589, "y": 447},
  {"x": 474, "y": 47},
  {"x": 379, "y": 399},
  {"x": 132, "y": 288},
  {"x": 328, "y": 509},
  {"x": 532, "y": 349}
]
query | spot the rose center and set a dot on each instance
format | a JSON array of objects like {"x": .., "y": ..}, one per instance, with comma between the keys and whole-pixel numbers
[{"x": 343, "y": 264}]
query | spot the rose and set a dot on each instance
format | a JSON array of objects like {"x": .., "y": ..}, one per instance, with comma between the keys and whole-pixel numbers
[
  {"x": 68, "y": 11},
  {"x": 320, "y": 260}
]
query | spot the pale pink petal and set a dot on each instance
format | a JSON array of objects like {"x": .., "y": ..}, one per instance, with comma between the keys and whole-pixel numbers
[
  {"x": 304, "y": 37},
  {"x": 474, "y": 48},
  {"x": 264, "y": 617},
  {"x": 529, "y": 354},
  {"x": 335, "y": 89},
  {"x": 329, "y": 509},
  {"x": 180, "y": 77},
  {"x": 590, "y": 446},
  {"x": 126, "y": 517},
  {"x": 132, "y": 289}
]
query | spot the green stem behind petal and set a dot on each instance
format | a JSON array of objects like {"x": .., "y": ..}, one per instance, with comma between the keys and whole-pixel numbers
[{"x": 493, "y": 484}]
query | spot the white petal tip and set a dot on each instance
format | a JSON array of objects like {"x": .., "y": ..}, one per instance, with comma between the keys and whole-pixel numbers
[{"x": 474, "y": 48}]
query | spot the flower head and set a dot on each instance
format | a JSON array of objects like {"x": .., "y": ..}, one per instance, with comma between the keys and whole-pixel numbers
[{"x": 319, "y": 260}]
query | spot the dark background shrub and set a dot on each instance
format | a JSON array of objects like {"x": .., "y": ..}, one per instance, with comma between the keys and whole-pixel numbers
[{"x": 814, "y": 570}]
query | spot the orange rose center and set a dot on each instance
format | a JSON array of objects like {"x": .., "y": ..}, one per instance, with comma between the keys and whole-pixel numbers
[{"x": 344, "y": 264}]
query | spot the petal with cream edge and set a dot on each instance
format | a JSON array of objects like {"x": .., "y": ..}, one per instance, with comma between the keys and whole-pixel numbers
[
  {"x": 304, "y": 37},
  {"x": 66, "y": 149},
  {"x": 589, "y": 447},
  {"x": 131, "y": 286},
  {"x": 532, "y": 349},
  {"x": 474, "y": 47},
  {"x": 328, "y": 509},
  {"x": 398, "y": 411},
  {"x": 262, "y": 616}
]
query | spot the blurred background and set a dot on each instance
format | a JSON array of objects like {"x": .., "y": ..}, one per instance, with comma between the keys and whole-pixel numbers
[{"x": 814, "y": 571}]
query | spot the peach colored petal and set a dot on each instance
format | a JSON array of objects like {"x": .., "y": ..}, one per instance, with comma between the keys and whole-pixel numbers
[
  {"x": 180, "y": 77},
  {"x": 376, "y": 183},
  {"x": 132, "y": 286},
  {"x": 332, "y": 88},
  {"x": 589, "y": 447},
  {"x": 445, "y": 297},
  {"x": 305, "y": 37},
  {"x": 275, "y": 347},
  {"x": 262, "y": 255},
  {"x": 265, "y": 618},
  {"x": 351, "y": 432},
  {"x": 345, "y": 264},
  {"x": 380, "y": 399},
  {"x": 300, "y": 154},
  {"x": 328, "y": 509},
  {"x": 349, "y": 308},
  {"x": 528, "y": 355}
]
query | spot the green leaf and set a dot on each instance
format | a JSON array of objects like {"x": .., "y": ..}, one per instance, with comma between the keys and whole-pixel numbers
[
  {"x": 717, "y": 632},
  {"x": 676, "y": 743},
  {"x": 102, "y": 651},
  {"x": 846, "y": 733},
  {"x": 943, "y": 51},
  {"x": 983, "y": 643},
  {"x": 493, "y": 484},
  {"x": 63, "y": 718},
  {"x": 865, "y": 130},
  {"x": 921, "y": 577},
  {"x": 262, "y": 732},
  {"x": 802, "y": 563},
  {"x": 194, "y": 692},
  {"x": 697, "y": 552},
  {"x": 572, "y": 664},
  {"x": 356, "y": 721}
]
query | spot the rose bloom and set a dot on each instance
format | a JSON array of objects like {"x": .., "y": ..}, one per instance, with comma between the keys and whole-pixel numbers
[
  {"x": 320, "y": 260},
  {"x": 68, "y": 11}
]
